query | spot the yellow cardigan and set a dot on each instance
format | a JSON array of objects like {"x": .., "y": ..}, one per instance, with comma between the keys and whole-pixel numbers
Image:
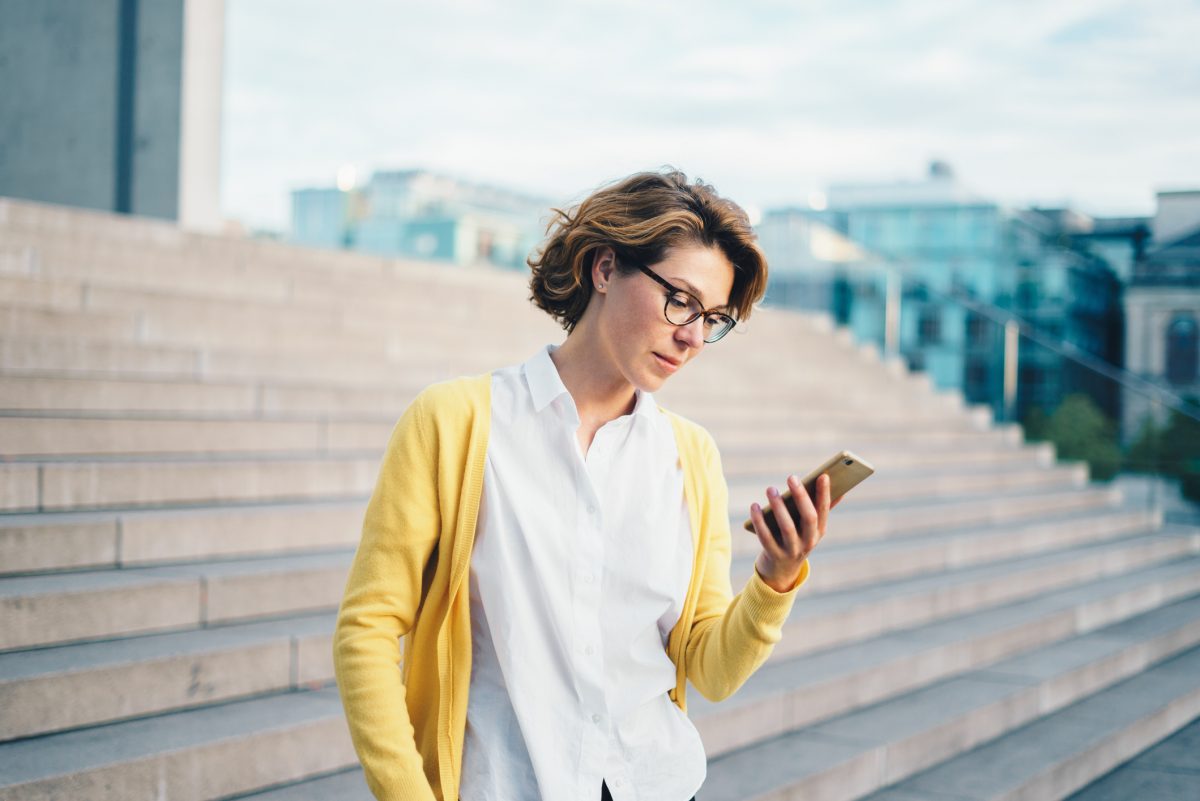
[{"x": 409, "y": 579}]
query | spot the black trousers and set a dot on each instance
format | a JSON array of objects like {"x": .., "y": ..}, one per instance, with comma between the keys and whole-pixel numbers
[{"x": 604, "y": 794}]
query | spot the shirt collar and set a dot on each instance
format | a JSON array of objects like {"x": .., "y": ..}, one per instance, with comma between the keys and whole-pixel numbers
[{"x": 545, "y": 385}]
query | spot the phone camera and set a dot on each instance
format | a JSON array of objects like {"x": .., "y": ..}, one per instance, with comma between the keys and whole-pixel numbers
[{"x": 847, "y": 462}]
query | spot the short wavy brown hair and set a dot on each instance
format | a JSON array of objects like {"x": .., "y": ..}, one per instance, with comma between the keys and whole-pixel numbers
[{"x": 641, "y": 217}]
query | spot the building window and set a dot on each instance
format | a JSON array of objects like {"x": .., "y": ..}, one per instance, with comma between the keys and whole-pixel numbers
[
  {"x": 1182, "y": 350},
  {"x": 978, "y": 329},
  {"x": 1027, "y": 294},
  {"x": 929, "y": 327},
  {"x": 977, "y": 373}
]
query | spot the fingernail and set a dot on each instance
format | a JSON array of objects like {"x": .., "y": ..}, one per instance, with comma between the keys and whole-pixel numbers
[
  {"x": 793, "y": 479},
  {"x": 772, "y": 492}
]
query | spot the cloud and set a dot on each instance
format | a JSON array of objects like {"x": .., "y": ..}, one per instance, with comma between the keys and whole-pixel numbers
[{"x": 1090, "y": 101}]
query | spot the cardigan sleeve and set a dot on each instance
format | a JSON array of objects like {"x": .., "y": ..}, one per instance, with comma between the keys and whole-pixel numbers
[
  {"x": 731, "y": 636},
  {"x": 383, "y": 593}
]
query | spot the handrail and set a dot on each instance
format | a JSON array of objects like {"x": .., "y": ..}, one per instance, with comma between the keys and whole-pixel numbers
[{"x": 1003, "y": 317}]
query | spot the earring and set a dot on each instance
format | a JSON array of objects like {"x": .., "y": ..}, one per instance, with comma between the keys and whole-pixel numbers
[{"x": 600, "y": 286}]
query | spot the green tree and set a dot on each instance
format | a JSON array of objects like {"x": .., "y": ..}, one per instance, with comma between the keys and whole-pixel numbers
[
  {"x": 1146, "y": 452},
  {"x": 1173, "y": 449},
  {"x": 1080, "y": 431},
  {"x": 1034, "y": 424}
]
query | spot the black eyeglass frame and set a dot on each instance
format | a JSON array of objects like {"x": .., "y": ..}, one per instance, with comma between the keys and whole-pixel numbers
[{"x": 703, "y": 311}]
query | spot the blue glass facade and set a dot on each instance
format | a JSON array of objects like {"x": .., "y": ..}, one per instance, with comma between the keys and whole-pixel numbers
[
  {"x": 420, "y": 215},
  {"x": 956, "y": 257}
]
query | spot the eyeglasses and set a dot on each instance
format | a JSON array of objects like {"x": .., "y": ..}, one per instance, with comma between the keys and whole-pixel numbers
[{"x": 682, "y": 308}]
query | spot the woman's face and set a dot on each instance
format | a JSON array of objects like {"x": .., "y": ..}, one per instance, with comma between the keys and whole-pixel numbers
[{"x": 644, "y": 346}]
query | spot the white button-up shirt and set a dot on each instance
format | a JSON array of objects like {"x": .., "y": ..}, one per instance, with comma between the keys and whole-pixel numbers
[{"x": 578, "y": 574}]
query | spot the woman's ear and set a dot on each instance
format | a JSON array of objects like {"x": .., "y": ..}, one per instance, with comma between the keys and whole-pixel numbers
[{"x": 604, "y": 264}]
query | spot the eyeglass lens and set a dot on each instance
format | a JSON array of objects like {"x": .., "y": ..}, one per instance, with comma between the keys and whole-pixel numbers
[{"x": 683, "y": 309}]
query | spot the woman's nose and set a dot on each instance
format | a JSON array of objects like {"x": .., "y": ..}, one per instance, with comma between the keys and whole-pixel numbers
[{"x": 691, "y": 334}]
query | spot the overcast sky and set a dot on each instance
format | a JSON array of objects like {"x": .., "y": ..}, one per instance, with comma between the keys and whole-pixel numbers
[{"x": 1092, "y": 104}]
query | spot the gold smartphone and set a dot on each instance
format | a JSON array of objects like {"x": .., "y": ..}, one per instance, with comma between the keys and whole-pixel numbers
[{"x": 846, "y": 471}]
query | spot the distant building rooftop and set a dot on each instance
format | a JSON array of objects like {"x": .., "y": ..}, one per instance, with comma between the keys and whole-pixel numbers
[{"x": 939, "y": 188}]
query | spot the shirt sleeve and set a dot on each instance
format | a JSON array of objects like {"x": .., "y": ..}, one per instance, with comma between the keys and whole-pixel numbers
[
  {"x": 731, "y": 636},
  {"x": 383, "y": 593}
]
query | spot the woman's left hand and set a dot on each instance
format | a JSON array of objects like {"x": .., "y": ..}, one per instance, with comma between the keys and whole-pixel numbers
[{"x": 780, "y": 562}]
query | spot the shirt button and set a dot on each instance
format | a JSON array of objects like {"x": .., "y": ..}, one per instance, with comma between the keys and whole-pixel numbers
[
  {"x": 591, "y": 510},
  {"x": 589, "y": 650},
  {"x": 595, "y": 718},
  {"x": 616, "y": 782},
  {"x": 589, "y": 578}
]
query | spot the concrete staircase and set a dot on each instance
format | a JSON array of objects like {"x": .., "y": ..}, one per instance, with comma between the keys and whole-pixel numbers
[{"x": 190, "y": 427}]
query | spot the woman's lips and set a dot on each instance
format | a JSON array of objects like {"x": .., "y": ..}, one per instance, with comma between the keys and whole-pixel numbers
[{"x": 668, "y": 364}]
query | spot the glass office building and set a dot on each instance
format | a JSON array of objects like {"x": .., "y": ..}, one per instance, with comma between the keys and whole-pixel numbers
[
  {"x": 960, "y": 262},
  {"x": 422, "y": 215}
]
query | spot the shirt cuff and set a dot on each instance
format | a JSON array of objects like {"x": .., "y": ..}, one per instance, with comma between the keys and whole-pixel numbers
[{"x": 804, "y": 570}]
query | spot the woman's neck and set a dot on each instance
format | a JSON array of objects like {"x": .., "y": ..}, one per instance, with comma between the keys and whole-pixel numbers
[{"x": 600, "y": 392}]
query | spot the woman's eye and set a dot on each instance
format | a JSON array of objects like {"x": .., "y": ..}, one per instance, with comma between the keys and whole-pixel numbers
[{"x": 678, "y": 301}]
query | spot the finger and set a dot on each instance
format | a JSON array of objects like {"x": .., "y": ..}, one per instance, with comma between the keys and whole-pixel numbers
[
  {"x": 804, "y": 501},
  {"x": 809, "y": 520},
  {"x": 764, "y": 532},
  {"x": 791, "y": 541},
  {"x": 823, "y": 504}
]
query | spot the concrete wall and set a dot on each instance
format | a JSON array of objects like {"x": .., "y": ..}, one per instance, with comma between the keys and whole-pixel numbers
[
  {"x": 1148, "y": 313},
  {"x": 92, "y": 99},
  {"x": 58, "y": 101}
]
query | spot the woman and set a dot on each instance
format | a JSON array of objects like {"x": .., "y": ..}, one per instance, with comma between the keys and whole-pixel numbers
[{"x": 555, "y": 548}]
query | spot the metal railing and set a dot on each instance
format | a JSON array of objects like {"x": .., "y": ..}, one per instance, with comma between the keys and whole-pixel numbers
[{"x": 1150, "y": 479}]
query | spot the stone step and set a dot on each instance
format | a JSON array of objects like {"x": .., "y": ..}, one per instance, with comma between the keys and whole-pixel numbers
[
  {"x": 854, "y": 755},
  {"x": 72, "y": 607},
  {"x": 115, "y": 398},
  {"x": 855, "y": 520},
  {"x": 833, "y": 683},
  {"x": 787, "y": 695},
  {"x": 195, "y": 755},
  {"x": 55, "y": 541},
  {"x": 887, "y": 485},
  {"x": 348, "y": 785},
  {"x": 38, "y": 322},
  {"x": 841, "y": 564},
  {"x": 56, "y": 357},
  {"x": 291, "y": 282},
  {"x": 133, "y": 267},
  {"x": 839, "y": 616},
  {"x": 1168, "y": 769},
  {"x": 167, "y": 481},
  {"x": 1059, "y": 753},
  {"x": 388, "y": 290},
  {"x": 75, "y": 607},
  {"x": 116, "y": 359},
  {"x": 769, "y": 466},
  {"x": 111, "y": 248},
  {"x": 110, "y": 358},
  {"x": 134, "y": 677},
  {"x": 56, "y": 394},
  {"x": 142, "y": 675},
  {"x": 159, "y": 482},
  {"x": 191, "y": 316},
  {"x": 30, "y": 292},
  {"x": 82, "y": 436},
  {"x": 59, "y": 435},
  {"x": 50, "y": 395}
]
